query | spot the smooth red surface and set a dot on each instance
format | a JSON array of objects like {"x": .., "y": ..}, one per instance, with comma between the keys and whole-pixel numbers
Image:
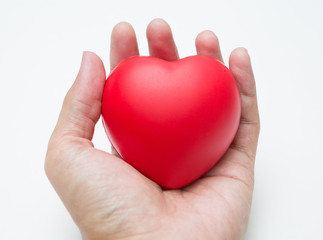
[{"x": 172, "y": 121}]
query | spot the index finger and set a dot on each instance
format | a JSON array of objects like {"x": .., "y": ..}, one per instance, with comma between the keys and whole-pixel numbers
[{"x": 123, "y": 44}]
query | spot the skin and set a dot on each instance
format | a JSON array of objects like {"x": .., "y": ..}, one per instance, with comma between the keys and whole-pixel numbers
[{"x": 109, "y": 199}]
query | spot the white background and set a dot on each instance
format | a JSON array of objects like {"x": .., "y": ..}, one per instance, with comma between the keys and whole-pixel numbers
[{"x": 41, "y": 43}]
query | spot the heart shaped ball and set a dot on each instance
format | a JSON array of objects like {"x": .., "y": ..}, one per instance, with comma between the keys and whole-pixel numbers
[{"x": 172, "y": 121}]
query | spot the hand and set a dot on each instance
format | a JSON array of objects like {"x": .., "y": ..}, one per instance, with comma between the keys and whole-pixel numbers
[{"x": 109, "y": 199}]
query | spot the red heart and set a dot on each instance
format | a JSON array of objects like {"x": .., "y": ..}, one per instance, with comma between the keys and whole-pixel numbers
[{"x": 172, "y": 121}]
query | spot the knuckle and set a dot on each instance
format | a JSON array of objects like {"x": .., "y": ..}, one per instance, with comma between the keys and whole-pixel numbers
[
  {"x": 62, "y": 152},
  {"x": 56, "y": 153},
  {"x": 51, "y": 158}
]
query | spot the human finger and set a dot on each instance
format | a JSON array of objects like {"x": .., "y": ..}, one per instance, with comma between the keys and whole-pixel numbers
[
  {"x": 160, "y": 40},
  {"x": 246, "y": 138},
  {"x": 123, "y": 44},
  {"x": 82, "y": 105},
  {"x": 207, "y": 43}
]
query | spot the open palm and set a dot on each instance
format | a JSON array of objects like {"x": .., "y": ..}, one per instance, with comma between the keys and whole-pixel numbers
[{"x": 109, "y": 199}]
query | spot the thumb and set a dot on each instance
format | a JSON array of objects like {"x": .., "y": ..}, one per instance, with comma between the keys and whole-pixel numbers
[{"x": 82, "y": 105}]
